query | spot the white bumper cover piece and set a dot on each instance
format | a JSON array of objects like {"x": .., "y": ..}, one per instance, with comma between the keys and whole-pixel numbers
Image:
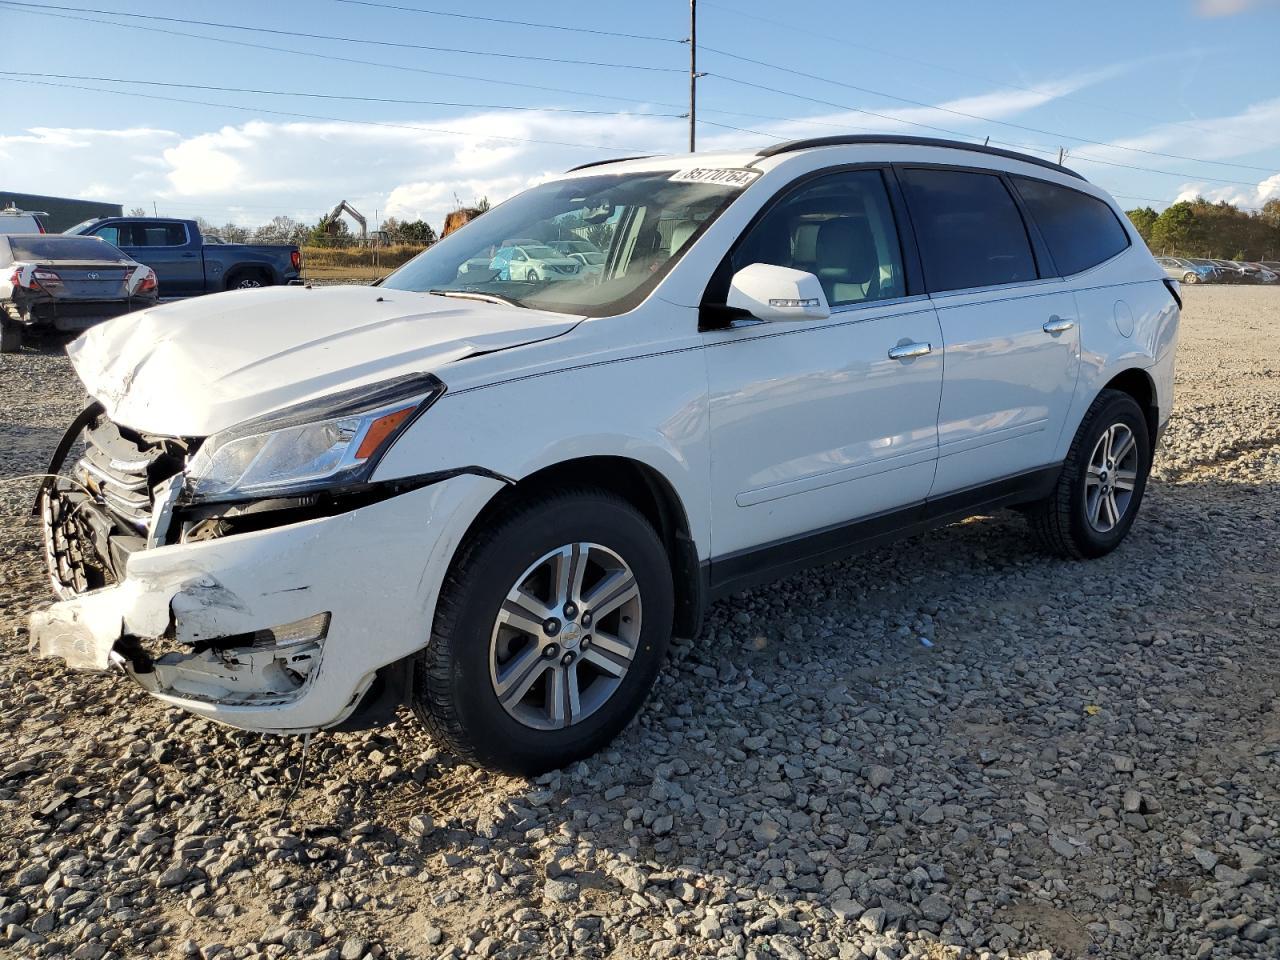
[{"x": 312, "y": 610}]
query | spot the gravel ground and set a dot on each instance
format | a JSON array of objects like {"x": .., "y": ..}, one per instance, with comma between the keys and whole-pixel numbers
[{"x": 1083, "y": 759}]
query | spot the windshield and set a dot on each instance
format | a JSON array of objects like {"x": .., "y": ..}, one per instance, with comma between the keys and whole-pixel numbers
[
  {"x": 52, "y": 247},
  {"x": 639, "y": 222}
]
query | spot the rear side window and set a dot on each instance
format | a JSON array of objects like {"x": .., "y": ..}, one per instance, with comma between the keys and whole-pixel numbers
[
  {"x": 969, "y": 230},
  {"x": 152, "y": 234},
  {"x": 1081, "y": 230}
]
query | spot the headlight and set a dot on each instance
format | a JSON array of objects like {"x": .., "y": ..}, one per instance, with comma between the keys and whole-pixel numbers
[{"x": 331, "y": 442}]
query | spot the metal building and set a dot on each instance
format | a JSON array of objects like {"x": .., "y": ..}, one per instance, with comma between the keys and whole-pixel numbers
[{"x": 63, "y": 211}]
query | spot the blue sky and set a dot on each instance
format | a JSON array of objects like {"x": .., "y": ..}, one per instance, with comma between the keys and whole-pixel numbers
[{"x": 1192, "y": 78}]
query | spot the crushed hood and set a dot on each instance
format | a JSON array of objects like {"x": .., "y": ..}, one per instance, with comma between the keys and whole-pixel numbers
[{"x": 199, "y": 366}]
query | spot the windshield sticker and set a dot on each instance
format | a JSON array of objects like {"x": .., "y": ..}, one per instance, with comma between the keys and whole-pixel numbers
[{"x": 721, "y": 176}]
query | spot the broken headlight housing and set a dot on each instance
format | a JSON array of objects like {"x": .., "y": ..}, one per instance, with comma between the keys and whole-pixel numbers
[{"x": 336, "y": 441}]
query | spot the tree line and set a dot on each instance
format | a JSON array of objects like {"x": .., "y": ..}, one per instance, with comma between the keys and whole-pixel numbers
[
  {"x": 326, "y": 233},
  {"x": 1200, "y": 228}
]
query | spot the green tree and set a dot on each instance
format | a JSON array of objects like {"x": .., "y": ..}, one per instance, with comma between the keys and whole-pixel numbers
[
  {"x": 1144, "y": 218},
  {"x": 1173, "y": 231}
]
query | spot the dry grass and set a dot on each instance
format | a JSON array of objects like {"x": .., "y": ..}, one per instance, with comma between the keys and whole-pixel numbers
[{"x": 366, "y": 263}]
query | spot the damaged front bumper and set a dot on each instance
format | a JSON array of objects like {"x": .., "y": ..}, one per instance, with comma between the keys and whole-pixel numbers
[{"x": 280, "y": 629}]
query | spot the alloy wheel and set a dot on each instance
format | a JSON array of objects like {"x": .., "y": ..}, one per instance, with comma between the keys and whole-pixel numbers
[
  {"x": 565, "y": 636},
  {"x": 1111, "y": 478}
]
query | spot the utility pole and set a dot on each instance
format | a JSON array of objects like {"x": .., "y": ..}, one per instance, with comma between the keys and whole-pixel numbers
[{"x": 693, "y": 74}]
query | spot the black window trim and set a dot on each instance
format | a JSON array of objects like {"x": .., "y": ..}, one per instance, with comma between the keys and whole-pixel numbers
[
  {"x": 186, "y": 234},
  {"x": 1030, "y": 218},
  {"x": 717, "y": 316},
  {"x": 1039, "y": 249}
]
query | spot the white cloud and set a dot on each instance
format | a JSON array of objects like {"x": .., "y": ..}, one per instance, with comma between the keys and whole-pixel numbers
[
  {"x": 1229, "y": 8},
  {"x": 251, "y": 171}
]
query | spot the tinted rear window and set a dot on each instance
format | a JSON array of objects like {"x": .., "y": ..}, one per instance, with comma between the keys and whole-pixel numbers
[
  {"x": 63, "y": 247},
  {"x": 1081, "y": 230},
  {"x": 969, "y": 229}
]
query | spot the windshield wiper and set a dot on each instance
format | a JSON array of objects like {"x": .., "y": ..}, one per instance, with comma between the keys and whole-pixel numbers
[{"x": 477, "y": 295}]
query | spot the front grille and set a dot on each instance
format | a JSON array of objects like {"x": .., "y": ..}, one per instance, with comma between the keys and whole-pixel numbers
[
  {"x": 122, "y": 468},
  {"x": 96, "y": 518}
]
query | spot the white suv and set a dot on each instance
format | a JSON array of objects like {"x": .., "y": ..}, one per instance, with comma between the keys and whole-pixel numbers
[{"x": 497, "y": 499}]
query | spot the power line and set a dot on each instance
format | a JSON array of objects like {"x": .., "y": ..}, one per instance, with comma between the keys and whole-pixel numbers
[
  {"x": 507, "y": 22},
  {"x": 1083, "y": 158},
  {"x": 338, "y": 59},
  {"x": 328, "y": 36},
  {"x": 332, "y": 96},
  {"x": 975, "y": 116},
  {"x": 311, "y": 116},
  {"x": 842, "y": 41}
]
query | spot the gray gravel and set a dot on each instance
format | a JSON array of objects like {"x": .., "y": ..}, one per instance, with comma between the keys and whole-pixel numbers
[{"x": 1083, "y": 759}]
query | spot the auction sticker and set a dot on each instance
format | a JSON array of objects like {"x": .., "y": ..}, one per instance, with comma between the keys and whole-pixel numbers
[{"x": 721, "y": 176}]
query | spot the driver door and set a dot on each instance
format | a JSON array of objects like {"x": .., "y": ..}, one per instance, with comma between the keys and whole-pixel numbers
[{"x": 813, "y": 424}]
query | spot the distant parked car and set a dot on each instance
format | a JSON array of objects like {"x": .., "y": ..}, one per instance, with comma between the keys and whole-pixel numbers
[
  {"x": 533, "y": 262},
  {"x": 13, "y": 220},
  {"x": 1272, "y": 265},
  {"x": 1188, "y": 271},
  {"x": 1232, "y": 272},
  {"x": 56, "y": 282},
  {"x": 570, "y": 247},
  {"x": 592, "y": 262},
  {"x": 188, "y": 264},
  {"x": 1261, "y": 273}
]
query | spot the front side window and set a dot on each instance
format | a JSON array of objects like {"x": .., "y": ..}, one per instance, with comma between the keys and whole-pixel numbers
[
  {"x": 1081, "y": 230},
  {"x": 839, "y": 228},
  {"x": 969, "y": 230},
  {"x": 110, "y": 234},
  {"x": 639, "y": 222}
]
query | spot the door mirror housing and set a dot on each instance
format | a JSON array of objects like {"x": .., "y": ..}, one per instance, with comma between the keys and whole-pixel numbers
[{"x": 770, "y": 292}]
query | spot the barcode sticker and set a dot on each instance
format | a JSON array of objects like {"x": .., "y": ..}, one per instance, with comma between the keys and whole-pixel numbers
[{"x": 722, "y": 176}]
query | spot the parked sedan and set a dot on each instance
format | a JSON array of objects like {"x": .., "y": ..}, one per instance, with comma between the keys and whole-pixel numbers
[
  {"x": 1188, "y": 271},
  {"x": 533, "y": 262},
  {"x": 1232, "y": 272},
  {"x": 66, "y": 283}
]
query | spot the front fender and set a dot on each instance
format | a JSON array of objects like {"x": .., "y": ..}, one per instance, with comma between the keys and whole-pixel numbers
[{"x": 655, "y": 409}]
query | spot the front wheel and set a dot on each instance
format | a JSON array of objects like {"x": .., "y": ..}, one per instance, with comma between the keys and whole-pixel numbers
[
  {"x": 532, "y": 276},
  {"x": 1102, "y": 482},
  {"x": 550, "y": 629},
  {"x": 1190, "y": 277}
]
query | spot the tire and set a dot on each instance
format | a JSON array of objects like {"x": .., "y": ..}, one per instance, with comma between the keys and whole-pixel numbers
[
  {"x": 1064, "y": 522},
  {"x": 1190, "y": 277},
  {"x": 531, "y": 276},
  {"x": 473, "y": 653},
  {"x": 10, "y": 337},
  {"x": 248, "y": 280}
]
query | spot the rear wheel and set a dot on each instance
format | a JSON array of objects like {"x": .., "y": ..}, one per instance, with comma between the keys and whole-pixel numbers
[
  {"x": 1190, "y": 277},
  {"x": 550, "y": 629},
  {"x": 248, "y": 280},
  {"x": 1102, "y": 482}
]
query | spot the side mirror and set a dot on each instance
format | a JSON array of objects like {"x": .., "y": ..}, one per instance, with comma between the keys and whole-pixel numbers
[{"x": 769, "y": 292}]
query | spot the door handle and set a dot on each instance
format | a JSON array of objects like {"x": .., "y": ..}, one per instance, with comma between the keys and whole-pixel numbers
[
  {"x": 188, "y": 256},
  {"x": 906, "y": 351},
  {"x": 1056, "y": 325}
]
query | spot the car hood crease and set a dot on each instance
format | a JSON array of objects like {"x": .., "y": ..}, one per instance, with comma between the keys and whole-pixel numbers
[{"x": 199, "y": 366}]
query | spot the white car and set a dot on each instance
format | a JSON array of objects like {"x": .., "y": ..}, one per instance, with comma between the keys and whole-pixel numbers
[
  {"x": 498, "y": 500},
  {"x": 13, "y": 220}
]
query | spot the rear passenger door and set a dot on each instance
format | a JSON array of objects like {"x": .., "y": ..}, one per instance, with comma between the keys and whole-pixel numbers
[
  {"x": 1009, "y": 326},
  {"x": 163, "y": 245}
]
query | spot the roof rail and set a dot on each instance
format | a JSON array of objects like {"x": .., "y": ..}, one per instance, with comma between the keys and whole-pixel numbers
[
  {"x": 600, "y": 163},
  {"x": 790, "y": 146}
]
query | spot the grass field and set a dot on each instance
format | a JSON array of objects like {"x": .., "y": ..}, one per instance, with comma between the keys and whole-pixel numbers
[{"x": 355, "y": 263}]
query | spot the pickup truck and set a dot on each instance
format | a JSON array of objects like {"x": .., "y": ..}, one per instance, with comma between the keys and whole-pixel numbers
[{"x": 186, "y": 264}]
